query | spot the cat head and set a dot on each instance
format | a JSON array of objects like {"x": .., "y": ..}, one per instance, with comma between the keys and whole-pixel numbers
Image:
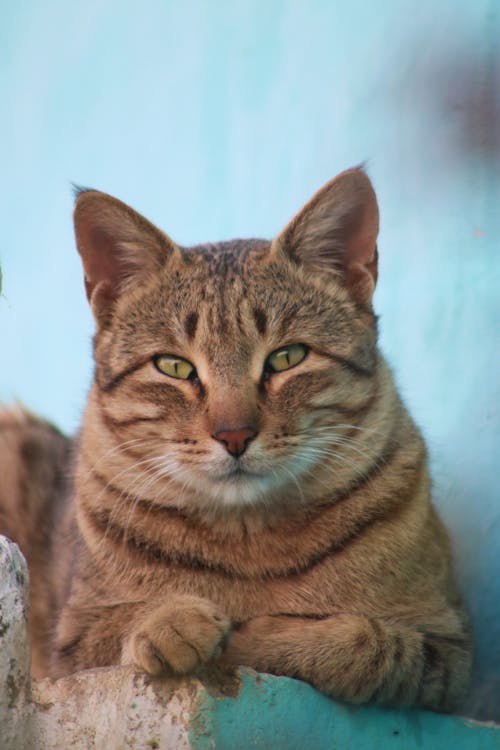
[{"x": 229, "y": 370}]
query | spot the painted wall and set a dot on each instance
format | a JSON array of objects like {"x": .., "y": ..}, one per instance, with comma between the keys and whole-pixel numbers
[{"x": 219, "y": 119}]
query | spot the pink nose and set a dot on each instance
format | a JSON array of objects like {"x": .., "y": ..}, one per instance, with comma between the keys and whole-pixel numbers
[{"x": 236, "y": 441}]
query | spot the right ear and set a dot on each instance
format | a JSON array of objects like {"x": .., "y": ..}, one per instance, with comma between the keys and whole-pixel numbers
[
  {"x": 118, "y": 247},
  {"x": 336, "y": 233}
]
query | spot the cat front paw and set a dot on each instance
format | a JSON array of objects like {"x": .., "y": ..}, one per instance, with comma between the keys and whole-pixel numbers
[{"x": 177, "y": 637}]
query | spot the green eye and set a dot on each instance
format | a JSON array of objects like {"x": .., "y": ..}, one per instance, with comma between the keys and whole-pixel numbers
[
  {"x": 174, "y": 367},
  {"x": 286, "y": 358}
]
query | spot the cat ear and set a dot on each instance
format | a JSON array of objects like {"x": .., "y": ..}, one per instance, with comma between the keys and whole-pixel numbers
[
  {"x": 336, "y": 232},
  {"x": 118, "y": 247}
]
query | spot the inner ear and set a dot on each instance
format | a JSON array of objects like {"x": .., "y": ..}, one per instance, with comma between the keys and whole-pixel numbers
[
  {"x": 336, "y": 232},
  {"x": 118, "y": 247}
]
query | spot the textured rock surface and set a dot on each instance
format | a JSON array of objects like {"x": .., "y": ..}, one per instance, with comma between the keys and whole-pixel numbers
[
  {"x": 14, "y": 650},
  {"x": 103, "y": 709},
  {"x": 111, "y": 709},
  {"x": 120, "y": 709}
]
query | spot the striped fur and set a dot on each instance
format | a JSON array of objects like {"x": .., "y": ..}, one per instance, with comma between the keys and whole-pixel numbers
[
  {"x": 34, "y": 490},
  {"x": 317, "y": 553}
]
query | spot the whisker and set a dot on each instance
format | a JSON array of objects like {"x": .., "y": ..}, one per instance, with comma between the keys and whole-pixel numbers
[
  {"x": 132, "y": 489},
  {"x": 121, "y": 447},
  {"x": 341, "y": 459}
]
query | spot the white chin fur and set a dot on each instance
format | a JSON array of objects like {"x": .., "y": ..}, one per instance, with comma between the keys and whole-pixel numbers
[
  {"x": 205, "y": 490},
  {"x": 240, "y": 492}
]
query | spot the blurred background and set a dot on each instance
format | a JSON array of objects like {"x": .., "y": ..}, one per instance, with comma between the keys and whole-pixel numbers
[{"x": 219, "y": 119}]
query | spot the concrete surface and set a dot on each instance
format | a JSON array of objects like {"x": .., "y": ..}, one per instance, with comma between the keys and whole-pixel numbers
[{"x": 118, "y": 708}]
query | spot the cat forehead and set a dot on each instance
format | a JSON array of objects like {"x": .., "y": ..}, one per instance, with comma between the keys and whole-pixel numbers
[
  {"x": 222, "y": 272},
  {"x": 230, "y": 256},
  {"x": 224, "y": 293},
  {"x": 225, "y": 302},
  {"x": 233, "y": 275}
]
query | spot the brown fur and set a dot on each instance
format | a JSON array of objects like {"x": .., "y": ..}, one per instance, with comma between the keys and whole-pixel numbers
[
  {"x": 34, "y": 489},
  {"x": 315, "y": 554}
]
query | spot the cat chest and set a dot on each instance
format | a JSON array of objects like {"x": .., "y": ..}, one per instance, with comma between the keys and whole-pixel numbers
[{"x": 318, "y": 591}]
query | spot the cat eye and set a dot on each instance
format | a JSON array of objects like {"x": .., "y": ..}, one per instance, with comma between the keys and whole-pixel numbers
[
  {"x": 285, "y": 358},
  {"x": 175, "y": 367}
]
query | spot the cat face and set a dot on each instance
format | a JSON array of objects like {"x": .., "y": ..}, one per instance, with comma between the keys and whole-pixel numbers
[{"x": 232, "y": 371}]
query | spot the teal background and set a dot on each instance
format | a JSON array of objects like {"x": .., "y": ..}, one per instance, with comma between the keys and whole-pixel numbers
[{"x": 219, "y": 119}]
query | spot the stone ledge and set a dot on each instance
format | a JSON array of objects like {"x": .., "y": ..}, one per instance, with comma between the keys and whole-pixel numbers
[{"x": 118, "y": 708}]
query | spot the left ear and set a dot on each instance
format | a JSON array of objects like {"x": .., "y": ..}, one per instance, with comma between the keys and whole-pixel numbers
[
  {"x": 119, "y": 248},
  {"x": 336, "y": 232}
]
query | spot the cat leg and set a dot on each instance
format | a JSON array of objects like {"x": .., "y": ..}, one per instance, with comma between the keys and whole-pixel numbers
[
  {"x": 357, "y": 659},
  {"x": 176, "y": 637}
]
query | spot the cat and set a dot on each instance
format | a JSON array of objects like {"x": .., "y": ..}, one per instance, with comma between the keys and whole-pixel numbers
[{"x": 247, "y": 486}]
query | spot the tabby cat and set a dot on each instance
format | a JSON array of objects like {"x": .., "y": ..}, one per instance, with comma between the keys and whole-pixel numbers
[{"x": 247, "y": 485}]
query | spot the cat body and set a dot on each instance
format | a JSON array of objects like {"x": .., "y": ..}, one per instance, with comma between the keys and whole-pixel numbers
[{"x": 247, "y": 485}]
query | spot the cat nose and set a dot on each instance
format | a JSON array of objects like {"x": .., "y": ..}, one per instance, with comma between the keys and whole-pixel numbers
[{"x": 236, "y": 441}]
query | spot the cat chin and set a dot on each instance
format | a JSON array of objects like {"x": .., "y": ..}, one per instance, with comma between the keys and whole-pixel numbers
[
  {"x": 238, "y": 491},
  {"x": 242, "y": 488}
]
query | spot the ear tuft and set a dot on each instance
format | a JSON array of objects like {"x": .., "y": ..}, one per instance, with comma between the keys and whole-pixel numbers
[
  {"x": 77, "y": 190},
  {"x": 336, "y": 232},
  {"x": 119, "y": 248}
]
